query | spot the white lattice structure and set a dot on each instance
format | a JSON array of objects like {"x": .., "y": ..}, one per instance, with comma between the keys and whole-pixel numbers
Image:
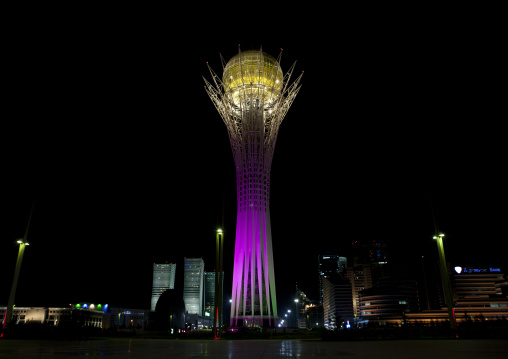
[{"x": 252, "y": 98}]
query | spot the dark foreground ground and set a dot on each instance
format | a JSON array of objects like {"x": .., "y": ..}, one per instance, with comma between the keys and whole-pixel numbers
[{"x": 265, "y": 349}]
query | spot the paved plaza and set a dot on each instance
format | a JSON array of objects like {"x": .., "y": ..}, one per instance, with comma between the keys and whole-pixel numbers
[{"x": 261, "y": 349}]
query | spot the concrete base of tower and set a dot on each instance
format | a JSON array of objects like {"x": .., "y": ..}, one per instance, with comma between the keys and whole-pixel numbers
[{"x": 254, "y": 322}]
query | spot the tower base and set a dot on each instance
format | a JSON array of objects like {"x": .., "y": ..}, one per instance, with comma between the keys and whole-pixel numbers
[{"x": 254, "y": 322}]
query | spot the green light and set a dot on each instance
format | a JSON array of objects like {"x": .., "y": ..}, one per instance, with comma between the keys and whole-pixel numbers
[
  {"x": 78, "y": 305},
  {"x": 99, "y": 306}
]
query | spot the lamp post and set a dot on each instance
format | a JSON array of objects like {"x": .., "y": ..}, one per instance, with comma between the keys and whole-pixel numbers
[
  {"x": 10, "y": 305},
  {"x": 445, "y": 280},
  {"x": 219, "y": 250},
  {"x": 296, "y": 312}
]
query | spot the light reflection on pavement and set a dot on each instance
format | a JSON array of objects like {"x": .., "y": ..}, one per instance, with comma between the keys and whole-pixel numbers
[{"x": 245, "y": 349}]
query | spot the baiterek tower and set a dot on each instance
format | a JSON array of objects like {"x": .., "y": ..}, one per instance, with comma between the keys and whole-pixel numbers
[{"x": 252, "y": 98}]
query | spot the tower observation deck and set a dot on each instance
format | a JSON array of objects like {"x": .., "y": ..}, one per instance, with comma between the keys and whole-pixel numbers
[{"x": 252, "y": 98}]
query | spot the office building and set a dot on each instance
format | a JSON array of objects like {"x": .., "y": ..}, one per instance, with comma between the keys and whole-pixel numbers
[
  {"x": 81, "y": 315},
  {"x": 329, "y": 265},
  {"x": 361, "y": 279},
  {"x": 209, "y": 297},
  {"x": 163, "y": 279},
  {"x": 126, "y": 318},
  {"x": 314, "y": 316},
  {"x": 479, "y": 288},
  {"x": 301, "y": 303},
  {"x": 388, "y": 298},
  {"x": 337, "y": 303},
  {"x": 193, "y": 285}
]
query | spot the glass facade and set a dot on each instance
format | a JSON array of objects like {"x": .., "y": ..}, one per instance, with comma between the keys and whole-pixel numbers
[
  {"x": 360, "y": 278},
  {"x": 337, "y": 303},
  {"x": 163, "y": 279},
  {"x": 193, "y": 285},
  {"x": 209, "y": 294},
  {"x": 209, "y": 300},
  {"x": 329, "y": 265}
]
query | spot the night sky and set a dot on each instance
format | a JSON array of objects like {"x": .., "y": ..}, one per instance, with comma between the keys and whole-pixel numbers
[{"x": 112, "y": 137}]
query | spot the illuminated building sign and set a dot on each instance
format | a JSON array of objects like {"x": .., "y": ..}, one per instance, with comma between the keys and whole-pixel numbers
[
  {"x": 101, "y": 307},
  {"x": 467, "y": 270}
]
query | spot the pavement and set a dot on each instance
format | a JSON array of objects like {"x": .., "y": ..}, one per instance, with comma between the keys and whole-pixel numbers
[{"x": 259, "y": 349}]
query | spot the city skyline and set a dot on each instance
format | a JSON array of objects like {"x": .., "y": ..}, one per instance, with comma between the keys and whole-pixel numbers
[{"x": 402, "y": 129}]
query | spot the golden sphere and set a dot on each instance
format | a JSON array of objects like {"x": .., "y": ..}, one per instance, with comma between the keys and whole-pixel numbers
[{"x": 253, "y": 75}]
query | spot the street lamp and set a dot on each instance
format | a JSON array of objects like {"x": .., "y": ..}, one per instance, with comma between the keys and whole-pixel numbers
[
  {"x": 296, "y": 312},
  {"x": 10, "y": 305},
  {"x": 445, "y": 280},
  {"x": 219, "y": 250}
]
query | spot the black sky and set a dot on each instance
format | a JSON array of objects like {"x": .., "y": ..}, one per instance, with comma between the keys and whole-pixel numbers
[{"x": 111, "y": 134}]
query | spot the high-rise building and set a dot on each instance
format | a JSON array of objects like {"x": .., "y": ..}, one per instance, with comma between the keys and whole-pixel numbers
[
  {"x": 193, "y": 285},
  {"x": 314, "y": 316},
  {"x": 337, "y": 303},
  {"x": 360, "y": 278},
  {"x": 329, "y": 265},
  {"x": 163, "y": 279},
  {"x": 369, "y": 251},
  {"x": 209, "y": 298},
  {"x": 301, "y": 303},
  {"x": 252, "y": 99}
]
